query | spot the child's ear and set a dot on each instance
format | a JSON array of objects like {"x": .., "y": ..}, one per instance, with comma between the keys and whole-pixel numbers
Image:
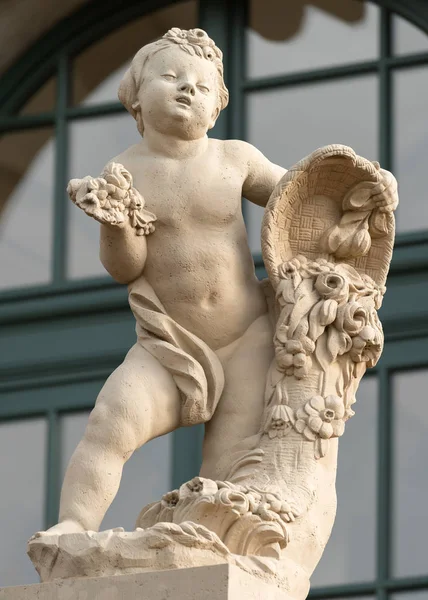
[
  {"x": 137, "y": 116},
  {"x": 214, "y": 117}
]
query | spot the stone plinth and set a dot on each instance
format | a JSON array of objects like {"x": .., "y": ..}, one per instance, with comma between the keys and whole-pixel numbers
[{"x": 216, "y": 582}]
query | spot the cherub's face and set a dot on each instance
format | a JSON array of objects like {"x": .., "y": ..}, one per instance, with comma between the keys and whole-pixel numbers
[{"x": 179, "y": 94}]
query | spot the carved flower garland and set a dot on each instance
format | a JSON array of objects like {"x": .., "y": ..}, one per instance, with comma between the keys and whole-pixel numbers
[
  {"x": 326, "y": 310},
  {"x": 318, "y": 420}
]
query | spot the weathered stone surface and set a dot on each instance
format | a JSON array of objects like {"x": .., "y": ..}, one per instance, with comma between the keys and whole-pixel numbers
[
  {"x": 218, "y": 582},
  {"x": 271, "y": 367}
]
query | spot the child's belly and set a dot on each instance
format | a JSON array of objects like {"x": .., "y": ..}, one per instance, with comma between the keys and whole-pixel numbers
[{"x": 207, "y": 284}]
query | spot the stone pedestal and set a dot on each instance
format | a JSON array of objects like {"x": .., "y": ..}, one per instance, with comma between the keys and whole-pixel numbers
[{"x": 216, "y": 582}]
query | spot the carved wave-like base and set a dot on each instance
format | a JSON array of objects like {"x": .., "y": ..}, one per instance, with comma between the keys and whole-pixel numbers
[
  {"x": 161, "y": 547},
  {"x": 248, "y": 520}
]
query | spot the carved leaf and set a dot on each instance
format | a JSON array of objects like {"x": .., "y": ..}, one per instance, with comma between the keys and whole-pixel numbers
[
  {"x": 306, "y": 298},
  {"x": 321, "y": 447},
  {"x": 273, "y": 378},
  {"x": 359, "y": 198},
  {"x": 316, "y": 318},
  {"x": 350, "y": 238},
  {"x": 290, "y": 414},
  {"x": 328, "y": 312},
  {"x": 321, "y": 352},
  {"x": 285, "y": 291},
  {"x": 338, "y": 342},
  {"x": 379, "y": 224}
]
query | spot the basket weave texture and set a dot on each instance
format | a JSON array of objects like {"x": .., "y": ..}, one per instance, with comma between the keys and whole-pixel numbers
[{"x": 308, "y": 201}]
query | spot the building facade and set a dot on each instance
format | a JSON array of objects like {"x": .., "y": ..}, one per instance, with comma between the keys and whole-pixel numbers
[{"x": 301, "y": 74}]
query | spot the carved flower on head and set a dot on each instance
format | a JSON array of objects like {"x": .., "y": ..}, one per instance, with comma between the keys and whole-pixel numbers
[
  {"x": 321, "y": 417},
  {"x": 332, "y": 286},
  {"x": 196, "y": 37}
]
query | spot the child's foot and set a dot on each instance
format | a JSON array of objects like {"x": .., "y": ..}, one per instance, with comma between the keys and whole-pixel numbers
[{"x": 67, "y": 526}]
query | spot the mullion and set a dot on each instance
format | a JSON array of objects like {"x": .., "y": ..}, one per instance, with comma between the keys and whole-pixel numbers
[
  {"x": 53, "y": 468},
  {"x": 236, "y": 123},
  {"x": 214, "y": 16},
  {"x": 384, "y": 483},
  {"x": 60, "y": 207},
  {"x": 385, "y": 91},
  {"x": 236, "y": 66}
]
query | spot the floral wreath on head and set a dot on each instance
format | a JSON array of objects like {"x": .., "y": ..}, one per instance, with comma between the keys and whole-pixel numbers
[{"x": 195, "y": 37}]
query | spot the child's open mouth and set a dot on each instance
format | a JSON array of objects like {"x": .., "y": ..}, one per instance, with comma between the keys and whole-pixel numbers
[{"x": 184, "y": 100}]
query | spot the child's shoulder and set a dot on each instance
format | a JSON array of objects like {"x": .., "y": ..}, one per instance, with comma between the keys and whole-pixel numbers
[
  {"x": 236, "y": 151},
  {"x": 128, "y": 157}
]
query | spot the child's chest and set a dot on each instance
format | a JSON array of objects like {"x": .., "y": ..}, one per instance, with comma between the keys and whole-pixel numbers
[{"x": 182, "y": 193}]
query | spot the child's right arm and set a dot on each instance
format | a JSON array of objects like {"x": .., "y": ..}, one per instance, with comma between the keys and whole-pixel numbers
[
  {"x": 122, "y": 252},
  {"x": 113, "y": 201}
]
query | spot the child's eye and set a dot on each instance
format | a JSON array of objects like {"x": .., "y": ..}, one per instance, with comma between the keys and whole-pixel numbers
[
  {"x": 169, "y": 76},
  {"x": 204, "y": 88}
]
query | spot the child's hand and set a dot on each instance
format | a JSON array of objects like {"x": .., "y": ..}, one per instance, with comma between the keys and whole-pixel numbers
[{"x": 387, "y": 199}]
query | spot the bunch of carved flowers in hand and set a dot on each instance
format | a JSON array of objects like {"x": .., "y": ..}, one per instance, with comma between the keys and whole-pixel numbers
[{"x": 111, "y": 199}]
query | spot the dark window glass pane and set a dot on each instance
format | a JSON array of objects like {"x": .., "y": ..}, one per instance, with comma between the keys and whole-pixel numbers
[
  {"x": 408, "y": 38},
  {"x": 350, "y": 553},
  {"x": 146, "y": 476},
  {"x": 98, "y": 70},
  {"x": 411, "y": 147},
  {"x": 410, "y": 500},
  {"x": 26, "y": 207},
  {"x": 22, "y": 473},
  {"x": 43, "y": 100},
  {"x": 92, "y": 144},
  {"x": 288, "y": 124},
  {"x": 286, "y": 37}
]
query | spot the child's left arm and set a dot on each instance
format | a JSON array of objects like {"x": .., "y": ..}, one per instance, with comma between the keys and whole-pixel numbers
[{"x": 262, "y": 175}]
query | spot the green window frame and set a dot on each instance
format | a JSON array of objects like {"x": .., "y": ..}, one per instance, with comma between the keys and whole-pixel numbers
[{"x": 226, "y": 20}]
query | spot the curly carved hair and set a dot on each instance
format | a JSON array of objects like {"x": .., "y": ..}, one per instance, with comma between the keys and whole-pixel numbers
[{"x": 195, "y": 42}]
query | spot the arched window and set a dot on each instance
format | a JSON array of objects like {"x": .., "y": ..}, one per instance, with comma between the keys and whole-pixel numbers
[{"x": 301, "y": 73}]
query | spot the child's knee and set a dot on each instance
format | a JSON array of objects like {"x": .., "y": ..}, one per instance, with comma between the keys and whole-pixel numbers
[{"x": 112, "y": 431}]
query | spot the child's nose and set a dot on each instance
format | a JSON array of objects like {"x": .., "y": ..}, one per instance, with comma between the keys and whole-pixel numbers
[{"x": 187, "y": 87}]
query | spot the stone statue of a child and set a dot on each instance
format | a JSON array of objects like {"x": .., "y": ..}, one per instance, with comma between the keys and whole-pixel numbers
[{"x": 204, "y": 334}]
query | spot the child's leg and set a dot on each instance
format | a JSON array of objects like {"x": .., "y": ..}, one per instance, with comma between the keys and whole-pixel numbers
[
  {"x": 239, "y": 412},
  {"x": 138, "y": 402}
]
